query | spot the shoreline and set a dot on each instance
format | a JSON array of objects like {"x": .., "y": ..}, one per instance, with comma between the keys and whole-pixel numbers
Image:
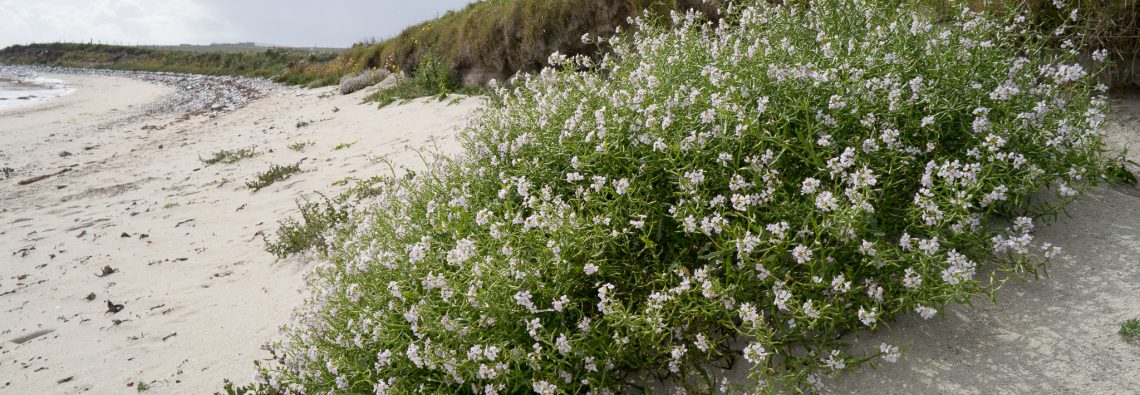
[{"x": 22, "y": 90}]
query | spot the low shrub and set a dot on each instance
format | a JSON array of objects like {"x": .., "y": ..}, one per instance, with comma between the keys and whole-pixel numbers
[
  {"x": 430, "y": 78},
  {"x": 780, "y": 178},
  {"x": 317, "y": 218},
  {"x": 229, "y": 156},
  {"x": 1130, "y": 330},
  {"x": 274, "y": 174}
]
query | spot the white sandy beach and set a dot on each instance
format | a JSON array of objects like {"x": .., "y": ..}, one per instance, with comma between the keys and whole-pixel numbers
[{"x": 201, "y": 295}]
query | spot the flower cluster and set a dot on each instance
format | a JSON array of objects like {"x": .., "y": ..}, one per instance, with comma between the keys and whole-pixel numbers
[{"x": 784, "y": 176}]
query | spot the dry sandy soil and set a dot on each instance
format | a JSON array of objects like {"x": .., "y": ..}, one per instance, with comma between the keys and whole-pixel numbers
[{"x": 200, "y": 296}]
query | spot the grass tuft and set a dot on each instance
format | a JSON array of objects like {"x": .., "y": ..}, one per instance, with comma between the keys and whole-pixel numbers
[
  {"x": 300, "y": 145},
  {"x": 274, "y": 174},
  {"x": 229, "y": 157},
  {"x": 1130, "y": 330}
]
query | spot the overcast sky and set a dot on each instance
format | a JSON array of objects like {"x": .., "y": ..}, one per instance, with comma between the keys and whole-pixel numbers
[{"x": 325, "y": 23}]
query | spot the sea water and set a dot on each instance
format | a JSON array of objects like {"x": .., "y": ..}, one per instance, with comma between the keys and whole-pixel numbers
[{"x": 18, "y": 90}]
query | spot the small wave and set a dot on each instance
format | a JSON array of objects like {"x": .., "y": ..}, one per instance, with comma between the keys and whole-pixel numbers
[{"x": 18, "y": 90}]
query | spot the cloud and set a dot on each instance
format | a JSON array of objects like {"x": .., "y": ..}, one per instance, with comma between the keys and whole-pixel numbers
[{"x": 282, "y": 22}]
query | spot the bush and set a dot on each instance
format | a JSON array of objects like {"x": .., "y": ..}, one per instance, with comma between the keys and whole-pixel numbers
[
  {"x": 781, "y": 178},
  {"x": 318, "y": 218},
  {"x": 271, "y": 176},
  {"x": 430, "y": 78},
  {"x": 229, "y": 157}
]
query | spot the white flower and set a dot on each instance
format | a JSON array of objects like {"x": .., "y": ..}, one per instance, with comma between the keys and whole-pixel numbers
[
  {"x": 762, "y": 105},
  {"x": 560, "y": 303},
  {"x": 418, "y": 251},
  {"x": 522, "y": 298},
  {"x": 927, "y": 121},
  {"x": 590, "y": 269},
  {"x": 809, "y": 309},
  {"x": 621, "y": 185},
  {"x": 755, "y": 353},
  {"x": 523, "y": 187},
  {"x": 840, "y": 284},
  {"x": 868, "y": 248},
  {"x": 960, "y": 268},
  {"x": 383, "y": 358},
  {"x": 695, "y": 177},
  {"x": 911, "y": 279},
  {"x": 563, "y": 345},
  {"x": 889, "y": 353},
  {"x": 464, "y": 250},
  {"x": 1066, "y": 191},
  {"x": 544, "y": 388},
  {"x": 836, "y": 102},
  {"x": 868, "y": 317},
  {"x": 702, "y": 343},
  {"x": 809, "y": 186},
  {"x": 1100, "y": 55},
  {"x": 834, "y": 361},
  {"x": 826, "y": 201},
  {"x": 1050, "y": 250},
  {"x": 802, "y": 254},
  {"x": 926, "y": 312}
]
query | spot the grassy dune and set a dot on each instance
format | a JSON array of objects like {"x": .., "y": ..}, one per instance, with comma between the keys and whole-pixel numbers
[{"x": 225, "y": 60}]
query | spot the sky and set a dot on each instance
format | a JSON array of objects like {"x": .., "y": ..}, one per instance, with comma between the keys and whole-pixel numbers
[{"x": 300, "y": 23}]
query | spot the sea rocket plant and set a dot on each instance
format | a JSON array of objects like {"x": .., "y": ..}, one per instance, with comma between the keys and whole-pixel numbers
[{"x": 783, "y": 177}]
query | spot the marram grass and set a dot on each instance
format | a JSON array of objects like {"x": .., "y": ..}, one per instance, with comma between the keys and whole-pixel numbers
[{"x": 780, "y": 179}]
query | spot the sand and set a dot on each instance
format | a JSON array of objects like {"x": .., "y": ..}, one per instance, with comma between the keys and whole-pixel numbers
[{"x": 200, "y": 295}]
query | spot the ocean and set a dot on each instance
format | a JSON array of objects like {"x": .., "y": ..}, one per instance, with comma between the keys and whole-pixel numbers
[{"x": 23, "y": 90}]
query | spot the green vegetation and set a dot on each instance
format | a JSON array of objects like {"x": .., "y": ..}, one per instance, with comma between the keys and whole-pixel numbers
[
  {"x": 300, "y": 145},
  {"x": 318, "y": 218},
  {"x": 431, "y": 79},
  {"x": 228, "y": 157},
  {"x": 494, "y": 39},
  {"x": 142, "y": 386},
  {"x": 780, "y": 179},
  {"x": 343, "y": 146},
  {"x": 1117, "y": 171},
  {"x": 274, "y": 174},
  {"x": 301, "y": 124},
  {"x": 295, "y": 236},
  {"x": 1130, "y": 330},
  {"x": 268, "y": 63}
]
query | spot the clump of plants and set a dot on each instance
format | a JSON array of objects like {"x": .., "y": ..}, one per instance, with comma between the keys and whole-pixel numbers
[
  {"x": 319, "y": 216},
  {"x": 300, "y": 145},
  {"x": 274, "y": 174},
  {"x": 779, "y": 179},
  {"x": 1130, "y": 330},
  {"x": 430, "y": 78},
  {"x": 229, "y": 156}
]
